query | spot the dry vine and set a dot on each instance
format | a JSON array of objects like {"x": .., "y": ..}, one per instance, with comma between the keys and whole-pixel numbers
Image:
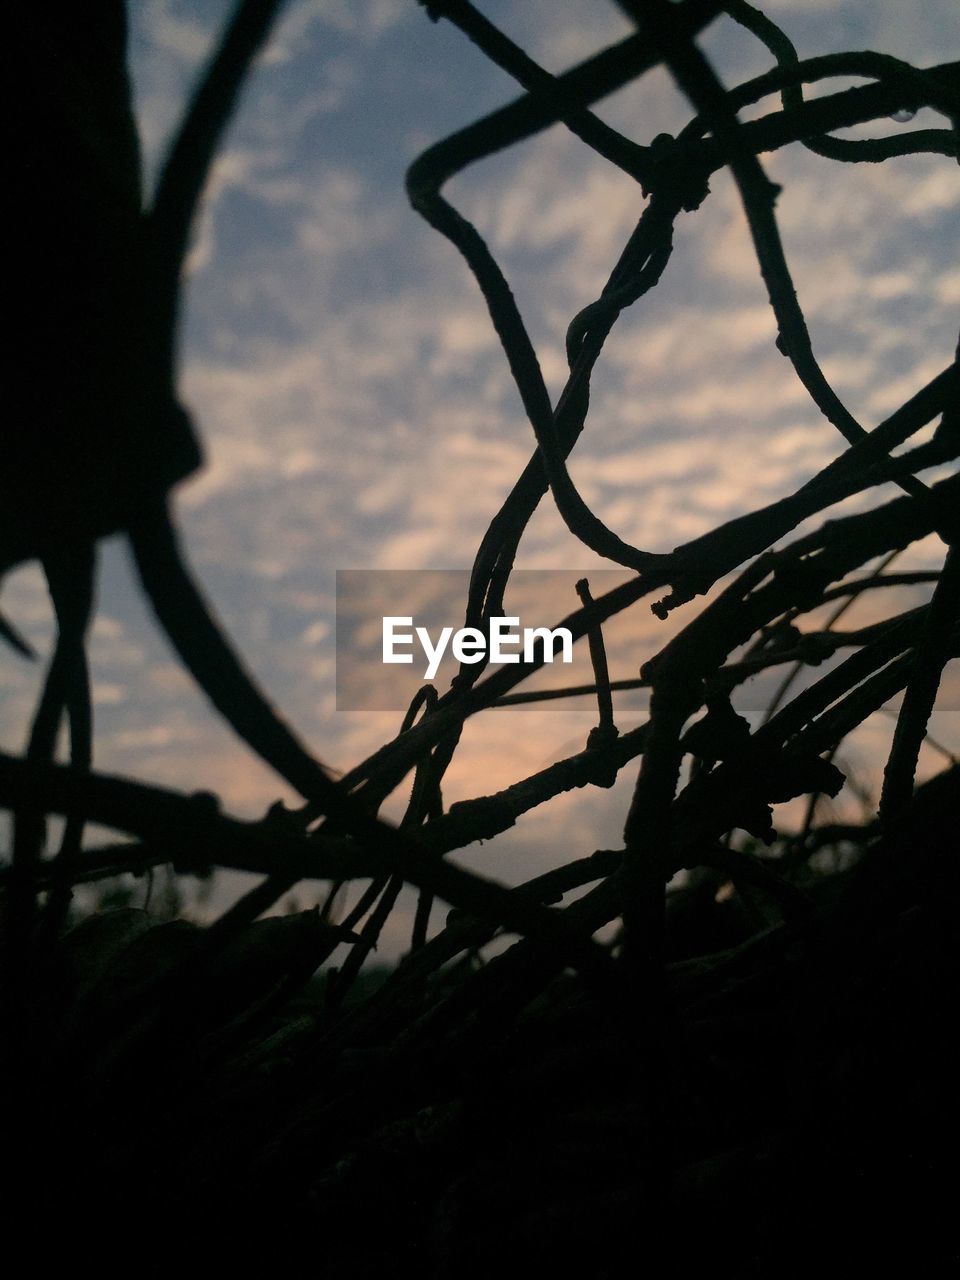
[{"x": 770, "y": 579}]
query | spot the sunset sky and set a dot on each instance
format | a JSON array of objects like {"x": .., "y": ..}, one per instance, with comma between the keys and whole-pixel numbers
[{"x": 357, "y": 411}]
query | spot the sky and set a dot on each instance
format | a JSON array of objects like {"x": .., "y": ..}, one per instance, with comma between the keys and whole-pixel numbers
[{"x": 356, "y": 410}]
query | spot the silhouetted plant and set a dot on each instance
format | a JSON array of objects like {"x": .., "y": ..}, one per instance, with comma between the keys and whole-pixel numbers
[{"x": 340, "y": 1103}]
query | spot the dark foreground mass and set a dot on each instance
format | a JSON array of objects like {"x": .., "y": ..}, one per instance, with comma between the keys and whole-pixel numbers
[{"x": 793, "y": 1103}]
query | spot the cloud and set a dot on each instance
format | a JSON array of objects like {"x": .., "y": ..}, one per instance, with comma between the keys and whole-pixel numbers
[
  {"x": 356, "y": 404},
  {"x": 363, "y": 19}
]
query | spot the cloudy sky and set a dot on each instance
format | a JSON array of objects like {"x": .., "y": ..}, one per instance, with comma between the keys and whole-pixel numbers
[{"x": 357, "y": 412}]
